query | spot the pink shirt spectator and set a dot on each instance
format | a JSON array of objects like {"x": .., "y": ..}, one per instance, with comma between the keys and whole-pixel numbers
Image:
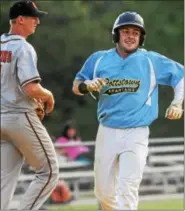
[{"x": 72, "y": 152}]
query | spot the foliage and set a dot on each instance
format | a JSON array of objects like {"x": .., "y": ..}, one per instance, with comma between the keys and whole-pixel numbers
[{"x": 75, "y": 29}]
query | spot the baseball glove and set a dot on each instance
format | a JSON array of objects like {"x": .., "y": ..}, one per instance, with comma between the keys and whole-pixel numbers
[{"x": 40, "y": 111}]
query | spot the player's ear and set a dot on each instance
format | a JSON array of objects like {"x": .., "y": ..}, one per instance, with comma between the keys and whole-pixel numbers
[{"x": 20, "y": 19}]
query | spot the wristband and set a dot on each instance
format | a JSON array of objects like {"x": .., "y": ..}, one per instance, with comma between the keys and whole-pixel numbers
[{"x": 83, "y": 88}]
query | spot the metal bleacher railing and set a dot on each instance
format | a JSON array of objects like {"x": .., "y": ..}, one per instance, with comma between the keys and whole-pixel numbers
[{"x": 163, "y": 173}]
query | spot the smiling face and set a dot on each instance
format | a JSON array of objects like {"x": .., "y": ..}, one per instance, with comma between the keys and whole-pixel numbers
[{"x": 129, "y": 38}]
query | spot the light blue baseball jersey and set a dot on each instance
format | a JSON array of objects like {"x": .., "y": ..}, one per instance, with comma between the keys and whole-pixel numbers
[
  {"x": 18, "y": 68},
  {"x": 130, "y": 96}
]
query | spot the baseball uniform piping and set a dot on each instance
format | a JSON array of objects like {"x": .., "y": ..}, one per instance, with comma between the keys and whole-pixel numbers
[
  {"x": 2, "y": 42},
  {"x": 37, "y": 78},
  {"x": 49, "y": 178}
]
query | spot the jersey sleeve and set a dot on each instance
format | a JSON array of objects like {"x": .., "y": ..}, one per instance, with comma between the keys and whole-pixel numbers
[
  {"x": 87, "y": 70},
  {"x": 27, "y": 66},
  {"x": 167, "y": 71}
]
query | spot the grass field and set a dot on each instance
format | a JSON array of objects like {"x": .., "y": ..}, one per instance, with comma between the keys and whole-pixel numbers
[{"x": 172, "y": 204}]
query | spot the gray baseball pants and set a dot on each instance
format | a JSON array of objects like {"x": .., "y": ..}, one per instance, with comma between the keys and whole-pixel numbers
[{"x": 23, "y": 137}]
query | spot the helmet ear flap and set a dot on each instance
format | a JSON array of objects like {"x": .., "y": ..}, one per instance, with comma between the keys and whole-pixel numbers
[
  {"x": 142, "y": 39},
  {"x": 115, "y": 36}
]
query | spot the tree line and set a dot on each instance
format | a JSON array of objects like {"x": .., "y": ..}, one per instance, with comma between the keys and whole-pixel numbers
[{"x": 73, "y": 30}]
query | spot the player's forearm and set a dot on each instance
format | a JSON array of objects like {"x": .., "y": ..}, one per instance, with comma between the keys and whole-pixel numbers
[
  {"x": 179, "y": 93},
  {"x": 35, "y": 90},
  {"x": 75, "y": 87}
]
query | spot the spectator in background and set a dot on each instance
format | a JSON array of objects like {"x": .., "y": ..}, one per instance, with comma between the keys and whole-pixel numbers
[{"x": 70, "y": 134}]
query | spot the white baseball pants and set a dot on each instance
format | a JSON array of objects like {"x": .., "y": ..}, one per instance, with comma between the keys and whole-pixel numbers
[
  {"x": 24, "y": 137},
  {"x": 120, "y": 158}
]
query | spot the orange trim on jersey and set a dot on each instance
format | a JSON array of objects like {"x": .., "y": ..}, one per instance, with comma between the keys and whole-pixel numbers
[{"x": 34, "y": 5}]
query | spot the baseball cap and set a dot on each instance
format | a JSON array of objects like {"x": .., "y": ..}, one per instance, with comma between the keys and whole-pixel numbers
[{"x": 25, "y": 8}]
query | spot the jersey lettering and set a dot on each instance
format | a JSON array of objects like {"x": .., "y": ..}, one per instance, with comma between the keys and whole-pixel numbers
[
  {"x": 6, "y": 56},
  {"x": 122, "y": 85}
]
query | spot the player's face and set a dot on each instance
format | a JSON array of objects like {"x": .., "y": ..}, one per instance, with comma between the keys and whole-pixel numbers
[
  {"x": 129, "y": 38},
  {"x": 30, "y": 24}
]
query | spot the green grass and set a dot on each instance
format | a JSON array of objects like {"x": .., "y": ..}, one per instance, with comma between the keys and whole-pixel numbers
[
  {"x": 85, "y": 207},
  {"x": 173, "y": 204}
]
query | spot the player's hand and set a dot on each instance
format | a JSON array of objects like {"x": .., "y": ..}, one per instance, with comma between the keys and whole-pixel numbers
[
  {"x": 95, "y": 85},
  {"x": 50, "y": 102},
  {"x": 174, "y": 112}
]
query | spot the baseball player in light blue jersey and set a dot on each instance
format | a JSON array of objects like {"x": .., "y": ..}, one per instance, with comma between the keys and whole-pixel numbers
[
  {"x": 127, "y": 79},
  {"x": 23, "y": 137}
]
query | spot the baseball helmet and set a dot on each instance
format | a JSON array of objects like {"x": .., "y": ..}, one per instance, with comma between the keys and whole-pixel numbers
[{"x": 128, "y": 18}]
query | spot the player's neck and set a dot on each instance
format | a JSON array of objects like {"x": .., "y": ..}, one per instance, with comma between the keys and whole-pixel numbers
[
  {"x": 17, "y": 31},
  {"x": 123, "y": 53}
]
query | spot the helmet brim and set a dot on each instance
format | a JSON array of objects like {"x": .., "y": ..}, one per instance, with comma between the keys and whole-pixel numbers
[{"x": 130, "y": 24}]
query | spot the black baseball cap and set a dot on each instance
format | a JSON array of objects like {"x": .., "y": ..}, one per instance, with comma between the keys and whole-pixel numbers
[{"x": 25, "y": 8}]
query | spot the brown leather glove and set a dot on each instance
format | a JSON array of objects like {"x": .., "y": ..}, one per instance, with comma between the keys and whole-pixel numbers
[{"x": 40, "y": 111}]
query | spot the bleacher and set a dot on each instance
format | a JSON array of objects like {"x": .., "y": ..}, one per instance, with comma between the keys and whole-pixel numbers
[{"x": 163, "y": 173}]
